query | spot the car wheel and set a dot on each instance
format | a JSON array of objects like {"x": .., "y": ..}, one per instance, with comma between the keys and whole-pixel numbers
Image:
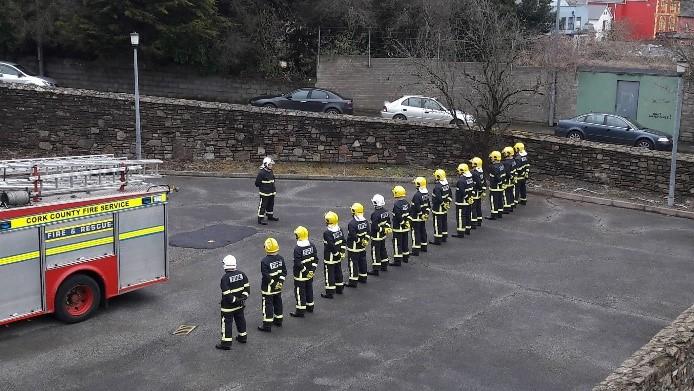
[
  {"x": 645, "y": 143},
  {"x": 270, "y": 105},
  {"x": 400, "y": 117},
  {"x": 332, "y": 111},
  {"x": 77, "y": 299},
  {"x": 574, "y": 135}
]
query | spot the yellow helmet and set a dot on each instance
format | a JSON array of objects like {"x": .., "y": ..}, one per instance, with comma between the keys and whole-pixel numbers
[
  {"x": 399, "y": 191},
  {"x": 507, "y": 151},
  {"x": 357, "y": 209},
  {"x": 420, "y": 182},
  {"x": 331, "y": 218},
  {"x": 476, "y": 162},
  {"x": 519, "y": 147},
  {"x": 271, "y": 246},
  {"x": 463, "y": 168},
  {"x": 439, "y": 174},
  {"x": 495, "y": 156},
  {"x": 301, "y": 233}
]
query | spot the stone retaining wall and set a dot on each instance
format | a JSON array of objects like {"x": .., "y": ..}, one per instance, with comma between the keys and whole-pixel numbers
[
  {"x": 664, "y": 363},
  {"x": 69, "y": 121}
]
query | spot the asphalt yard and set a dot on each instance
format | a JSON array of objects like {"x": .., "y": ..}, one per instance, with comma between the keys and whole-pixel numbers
[{"x": 552, "y": 297}]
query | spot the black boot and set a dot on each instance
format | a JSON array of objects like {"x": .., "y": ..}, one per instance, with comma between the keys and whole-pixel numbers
[
  {"x": 444, "y": 238},
  {"x": 384, "y": 265},
  {"x": 223, "y": 346},
  {"x": 362, "y": 279},
  {"x": 524, "y": 202},
  {"x": 352, "y": 284},
  {"x": 339, "y": 289},
  {"x": 492, "y": 217},
  {"x": 406, "y": 258},
  {"x": 436, "y": 242},
  {"x": 459, "y": 235},
  {"x": 373, "y": 272},
  {"x": 424, "y": 248},
  {"x": 396, "y": 263},
  {"x": 277, "y": 322},
  {"x": 242, "y": 338},
  {"x": 326, "y": 295},
  {"x": 266, "y": 327},
  {"x": 272, "y": 218},
  {"x": 261, "y": 222},
  {"x": 309, "y": 308},
  {"x": 297, "y": 314},
  {"x": 468, "y": 231},
  {"x": 415, "y": 253}
]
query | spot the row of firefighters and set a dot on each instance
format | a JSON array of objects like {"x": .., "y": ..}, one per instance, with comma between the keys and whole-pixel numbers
[{"x": 508, "y": 176}]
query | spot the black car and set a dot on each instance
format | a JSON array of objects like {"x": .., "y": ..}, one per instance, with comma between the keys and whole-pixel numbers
[
  {"x": 307, "y": 99},
  {"x": 613, "y": 129}
]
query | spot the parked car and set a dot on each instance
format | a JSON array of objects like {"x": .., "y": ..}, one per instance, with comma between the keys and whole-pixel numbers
[
  {"x": 611, "y": 128},
  {"x": 15, "y": 73},
  {"x": 422, "y": 108},
  {"x": 307, "y": 99}
]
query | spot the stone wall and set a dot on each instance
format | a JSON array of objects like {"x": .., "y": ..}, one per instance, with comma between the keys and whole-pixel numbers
[
  {"x": 68, "y": 121},
  {"x": 156, "y": 80},
  {"x": 664, "y": 363}
]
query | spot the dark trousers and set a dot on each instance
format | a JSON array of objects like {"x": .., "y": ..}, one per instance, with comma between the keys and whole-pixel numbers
[
  {"x": 477, "y": 210},
  {"x": 228, "y": 319},
  {"x": 379, "y": 254},
  {"x": 508, "y": 198},
  {"x": 333, "y": 277},
  {"x": 357, "y": 265},
  {"x": 272, "y": 308},
  {"x": 496, "y": 202},
  {"x": 419, "y": 236},
  {"x": 303, "y": 292},
  {"x": 522, "y": 191},
  {"x": 440, "y": 226},
  {"x": 266, "y": 206},
  {"x": 401, "y": 251},
  {"x": 463, "y": 218}
]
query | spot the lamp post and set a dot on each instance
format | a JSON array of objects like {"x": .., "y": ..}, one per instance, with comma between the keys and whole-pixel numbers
[
  {"x": 681, "y": 69},
  {"x": 135, "y": 40}
]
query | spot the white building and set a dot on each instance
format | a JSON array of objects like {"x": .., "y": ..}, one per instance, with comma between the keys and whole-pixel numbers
[
  {"x": 599, "y": 20},
  {"x": 581, "y": 17}
]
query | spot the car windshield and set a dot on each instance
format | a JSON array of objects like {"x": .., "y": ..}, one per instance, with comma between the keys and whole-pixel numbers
[{"x": 21, "y": 68}]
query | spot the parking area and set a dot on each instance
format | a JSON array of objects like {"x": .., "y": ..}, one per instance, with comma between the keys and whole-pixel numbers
[{"x": 553, "y": 297}]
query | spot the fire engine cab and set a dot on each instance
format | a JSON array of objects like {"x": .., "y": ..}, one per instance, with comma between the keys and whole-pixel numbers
[{"x": 76, "y": 231}]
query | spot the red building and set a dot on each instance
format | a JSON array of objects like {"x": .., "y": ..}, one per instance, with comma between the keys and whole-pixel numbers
[{"x": 643, "y": 19}]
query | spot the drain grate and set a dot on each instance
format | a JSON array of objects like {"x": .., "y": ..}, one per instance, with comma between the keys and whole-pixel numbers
[
  {"x": 184, "y": 329},
  {"x": 213, "y": 236}
]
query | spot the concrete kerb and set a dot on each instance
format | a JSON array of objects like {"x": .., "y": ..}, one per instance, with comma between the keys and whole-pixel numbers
[{"x": 549, "y": 193}]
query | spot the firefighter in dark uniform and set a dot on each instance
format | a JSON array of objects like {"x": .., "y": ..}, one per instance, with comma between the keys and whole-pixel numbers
[
  {"x": 440, "y": 203},
  {"x": 265, "y": 182},
  {"x": 273, "y": 271},
  {"x": 380, "y": 228},
  {"x": 419, "y": 214},
  {"x": 357, "y": 242},
  {"x": 497, "y": 178},
  {"x": 464, "y": 198},
  {"x": 523, "y": 173},
  {"x": 333, "y": 252},
  {"x": 401, "y": 226},
  {"x": 235, "y": 291},
  {"x": 305, "y": 263},
  {"x": 510, "y": 187},
  {"x": 480, "y": 189}
]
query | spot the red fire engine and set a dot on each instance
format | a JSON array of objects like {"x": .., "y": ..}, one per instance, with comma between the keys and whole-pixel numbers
[{"x": 76, "y": 231}]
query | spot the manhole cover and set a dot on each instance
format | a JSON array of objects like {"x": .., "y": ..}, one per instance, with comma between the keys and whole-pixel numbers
[
  {"x": 184, "y": 329},
  {"x": 214, "y": 236}
]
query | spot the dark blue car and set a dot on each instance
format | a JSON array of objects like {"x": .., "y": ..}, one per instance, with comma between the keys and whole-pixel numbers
[
  {"x": 307, "y": 99},
  {"x": 615, "y": 129}
]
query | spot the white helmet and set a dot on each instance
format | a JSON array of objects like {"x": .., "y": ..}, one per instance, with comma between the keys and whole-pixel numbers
[
  {"x": 267, "y": 161},
  {"x": 229, "y": 262},
  {"x": 378, "y": 200}
]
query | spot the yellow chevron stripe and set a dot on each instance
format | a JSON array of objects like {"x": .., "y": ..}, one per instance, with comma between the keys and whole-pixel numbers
[
  {"x": 19, "y": 258},
  {"x": 78, "y": 246},
  {"x": 141, "y": 232}
]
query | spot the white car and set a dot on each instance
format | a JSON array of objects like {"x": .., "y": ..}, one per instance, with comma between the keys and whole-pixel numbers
[
  {"x": 422, "y": 108},
  {"x": 14, "y": 73}
]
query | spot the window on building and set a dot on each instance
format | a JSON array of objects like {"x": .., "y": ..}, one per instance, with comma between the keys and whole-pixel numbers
[
  {"x": 578, "y": 23},
  {"x": 604, "y": 25},
  {"x": 562, "y": 24},
  {"x": 570, "y": 25}
]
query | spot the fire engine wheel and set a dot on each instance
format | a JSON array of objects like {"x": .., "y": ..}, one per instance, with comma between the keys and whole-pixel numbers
[{"x": 77, "y": 299}]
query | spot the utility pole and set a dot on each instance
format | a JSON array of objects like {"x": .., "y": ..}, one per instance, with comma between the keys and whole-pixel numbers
[
  {"x": 135, "y": 40},
  {"x": 675, "y": 136}
]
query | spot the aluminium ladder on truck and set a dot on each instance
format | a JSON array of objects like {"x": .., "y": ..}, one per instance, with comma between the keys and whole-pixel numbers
[{"x": 76, "y": 231}]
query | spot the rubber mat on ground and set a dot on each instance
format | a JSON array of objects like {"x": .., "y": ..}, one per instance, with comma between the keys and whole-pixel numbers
[{"x": 213, "y": 236}]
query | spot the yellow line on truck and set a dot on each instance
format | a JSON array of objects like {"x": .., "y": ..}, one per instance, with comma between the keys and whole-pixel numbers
[
  {"x": 141, "y": 232},
  {"x": 78, "y": 246},
  {"x": 19, "y": 258}
]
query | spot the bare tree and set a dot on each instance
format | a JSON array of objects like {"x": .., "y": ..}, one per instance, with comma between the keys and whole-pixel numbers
[{"x": 467, "y": 50}]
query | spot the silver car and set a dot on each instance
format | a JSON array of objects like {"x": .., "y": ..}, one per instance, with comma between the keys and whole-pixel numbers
[
  {"x": 423, "y": 109},
  {"x": 14, "y": 73}
]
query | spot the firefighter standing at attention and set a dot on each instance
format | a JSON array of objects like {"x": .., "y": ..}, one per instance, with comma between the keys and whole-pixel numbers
[
  {"x": 357, "y": 242},
  {"x": 305, "y": 263},
  {"x": 510, "y": 187},
  {"x": 235, "y": 290},
  {"x": 523, "y": 173},
  {"x": 333, "y": 252},
  {"x": 273, "y": 271},
  {"x": 440, "y": 203},
  {"x": 265, "y": 182},
  {"x": 401, "y": 226},
  {"x": 380, "y": 228},
  {"x": 480, "y": 189},
  {"x": 497, "y": 177},
  {"x": 421, "y": 207},
  {"x": 464, "y": 198}
]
